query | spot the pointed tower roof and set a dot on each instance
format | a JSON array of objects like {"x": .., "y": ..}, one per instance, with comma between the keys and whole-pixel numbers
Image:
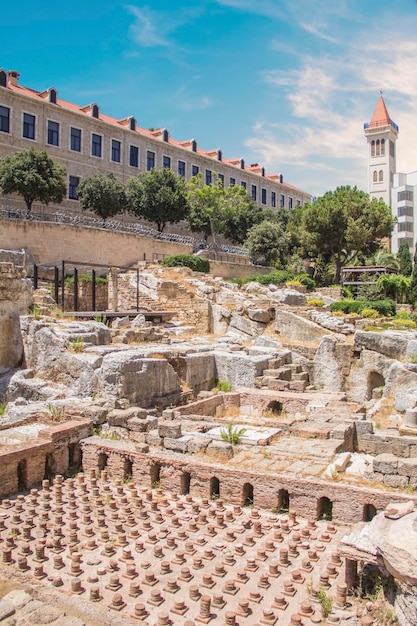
[{"x": 381, "y": 116}]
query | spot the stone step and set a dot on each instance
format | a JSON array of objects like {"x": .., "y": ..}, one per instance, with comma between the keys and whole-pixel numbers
[
  {"x": 298, "y": 385},
  {"x": 296, "y": 368},
  {"x": 300, "y": 376},
  {"x": 279, "y": 361}
]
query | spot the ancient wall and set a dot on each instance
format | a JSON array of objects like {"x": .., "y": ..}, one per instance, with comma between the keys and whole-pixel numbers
[
  {"x": 49, "y": 243},
  {"x": 15, "y": 299},
  {"x": 304, "y": 495}
]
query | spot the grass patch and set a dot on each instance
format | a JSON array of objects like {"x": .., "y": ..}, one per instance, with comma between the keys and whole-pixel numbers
[{"x": 77, "y": 345}]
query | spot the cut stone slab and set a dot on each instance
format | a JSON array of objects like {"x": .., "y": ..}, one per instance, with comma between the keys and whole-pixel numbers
[
  {"x": 399, "y": 509},
  {"x": 251, "y": 436}
]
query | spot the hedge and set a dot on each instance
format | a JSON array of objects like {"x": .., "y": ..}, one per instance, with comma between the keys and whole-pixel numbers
[
  {"x": 196, "y": 263},
  {"x": 385, "y": 308}
]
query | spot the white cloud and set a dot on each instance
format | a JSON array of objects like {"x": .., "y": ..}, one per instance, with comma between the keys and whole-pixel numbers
[
  {"x": 314, "y": 31},
  {"x": 147, "y": 29}
]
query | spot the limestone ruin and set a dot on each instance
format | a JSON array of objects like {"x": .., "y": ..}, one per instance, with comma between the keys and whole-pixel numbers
[{"x": 249, "y": 460}]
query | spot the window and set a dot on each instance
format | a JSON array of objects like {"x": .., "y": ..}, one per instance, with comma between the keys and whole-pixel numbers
[
  {"x": 53, "y": 133},
  {"x": 132, "y": 123},
  {"x": 405, "y": 195},
  {"x": 263, "y": 196},
  {"x": 282, "y": 201},
  {"x": 290, "y": 203},
  {"x": 381, "y": 176},
  {"x": 382, "y": 147},
  {"x": 3, "y": 79},
  {"x": 405, "y": 211},
  {"x": 134, "y": 156},
  {"x": 298, "y": 203},
  {"x": 4, "y": 119},
  {"x": 95, "y": 111},
  {"x": 221, "y": 178},
  {"x": 181, "y": 168},
  {"x": 75, "y": 139},
  {"x": 273, "y": 199},
  {"x": 232, "y": 181},
  {"x": 74, "y": 181},
  {"x": 52, "y": 96},
  {"x": 378, "y": 148},
  {"x": 243, "y": 184},
  {"x": 150, "y": 160},
  {"x": 166, "y": 162},
  {"x": 405, "y": 226},
  {"x": 375, "y": 177},
  {"x": 96, "y": 145},
  {"x": 209, "y": 177},
  {"x": 116, "y": 151},
  {"x": 194, "y": 170},
  {"x": 28, "y": 126},
  {"x": 253, "y": 192},
  {"x": 373, "y": 148}
]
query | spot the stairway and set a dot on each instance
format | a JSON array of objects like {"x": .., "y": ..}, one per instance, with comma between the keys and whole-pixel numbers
[{"x": 283, "y": 375}]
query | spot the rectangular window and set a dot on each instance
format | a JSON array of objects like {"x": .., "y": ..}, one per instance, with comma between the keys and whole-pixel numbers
[
  {"x": 405, "y": 227},
  {"x": 72, "y": 187},
  {"x": 290, "y": 203},
  {"x": 53, "y": 133},
  {"x": 232, "y": 181},
  {"x": 282, "y": 201},
  {"x": 405, "y": 211},
  {"x": 194, "y": 170},
  {"x": 28, "y": 126},
  {"x": 221, "y": 178},
  {"x": 243, "y": 184},
  {"x": 181, "y": 168},
  {"x": 75, "y": 139},
  {"x": 273, "y": 199},
  {"x": 134, "y": 156},
  {"x": 150, "y": 160},
  {"x": 263, "y": 195},
  {"x": 4, "y": 119},
  {"x": 166, "y": 162},
  {"x": 116, "y": 151},
  {"x": 405, "y": 195},
  {"x": 96, "y": 145},
  {"x": 298, "y": 203},
  {"x": 209, "y": 177},
  {"x": 253, "y": 192}
]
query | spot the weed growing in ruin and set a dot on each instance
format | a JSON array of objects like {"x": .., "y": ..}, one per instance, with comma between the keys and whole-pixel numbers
[
  {"x": 223, "y": 385},
  {"x": 3, "y": 407},
  {"x": 101, "y": 318},
  {"x": 36, "y": 313},
  {"x": 232, "y": 434},
  {"x": 57, "y": 413},
  {"x": 325, "y": 603},
  {"x": 78, "y": 344},
  {"x": 127, "y": 479},
  {"x": 156, "y": 484},
  {"x": 412, "y": 358}
]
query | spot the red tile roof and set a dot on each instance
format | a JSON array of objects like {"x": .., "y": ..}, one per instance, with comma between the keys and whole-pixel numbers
[{"x": 381, "y": 116}]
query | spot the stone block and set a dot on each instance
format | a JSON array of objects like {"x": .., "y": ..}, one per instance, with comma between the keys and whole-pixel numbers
[
  {"x": 198, "y": 444},
  {"x": 363, "y": 427},
  {"x": 117, "y": 417},
  {"x": 385, "y": 464},
  {"x": 6, "y": 609},
  {"x": 393, "y": 480},
  {"x": 177, "y": 445},
  {"x": 259, "y": 315},
  {"x": 407, "y": 467},
  {"x": 220, "y": 450},
  {"x": 169, "y": 429},
  {"x": 153, "y": 439},
  {"x": 137, "y": 425}
]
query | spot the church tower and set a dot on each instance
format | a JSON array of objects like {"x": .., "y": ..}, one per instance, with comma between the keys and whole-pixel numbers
[{"x": 381, "y": 134}]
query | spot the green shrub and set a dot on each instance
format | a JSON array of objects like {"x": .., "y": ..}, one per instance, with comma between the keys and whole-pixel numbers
[
  {"x": 385, "y": 308},
  {"x": 337, "y": 313},
  {"x": 232, "y": 434},
  {"x": 294, "y": 282},
  {"x": 371, "y": 313},
  {"x": 404, "y": 324},
  {"x": 195, "y": 263},
  {"x": 316, "y": 302},
  {"x": 85, "y": 278},
  {"x": 307, "y": 281},
  {"x": 223, "y": 385},
  {"x": 347, "y": 306}
]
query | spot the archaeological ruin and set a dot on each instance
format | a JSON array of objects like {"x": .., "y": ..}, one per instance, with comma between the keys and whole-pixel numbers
[{"x": 242, "y": 458}]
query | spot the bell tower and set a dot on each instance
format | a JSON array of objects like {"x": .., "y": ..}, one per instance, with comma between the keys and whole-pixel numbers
[{"x": 381, "y": 134}]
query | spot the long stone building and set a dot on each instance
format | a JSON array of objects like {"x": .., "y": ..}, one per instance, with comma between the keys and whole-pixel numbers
[{"x": 85, "y": 141}]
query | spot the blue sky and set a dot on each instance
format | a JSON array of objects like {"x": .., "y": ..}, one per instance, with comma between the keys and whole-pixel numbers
[{"x": 284, "y": 83}]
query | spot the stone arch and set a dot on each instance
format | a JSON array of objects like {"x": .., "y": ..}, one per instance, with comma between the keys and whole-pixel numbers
[
  {"x": 185, "y": 483},
  {"x": 127, "y": 469},
  {"x": 155, "y": 474},
  {"x": 375, "y": 380},
  {"x": 214, "y": 487},
  {"x": 22, "y": 475},
  {"x": 369, "y": 512},
  {"x": 283, "y": 501},
  {"x": 102, "y": 461},
  {"x": 50, "y": 466},
  {"x": 247, "y": 495},
  {"x": 324, "y": 508},
  {"x": 275, "y": 407}
]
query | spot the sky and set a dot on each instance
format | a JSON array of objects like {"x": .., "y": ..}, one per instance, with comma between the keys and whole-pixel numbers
[{"x": 287, "y": 84}]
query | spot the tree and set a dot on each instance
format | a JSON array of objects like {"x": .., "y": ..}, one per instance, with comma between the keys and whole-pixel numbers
[
  {"x": 159, "y": 196},
  {"x": 267, "y": 243},
  {"x": 211, "y": 206},
  {"x": 344, "y": 223},
  {"x": 34, "y": 175},
  {"x": 413, "y": 283},
  {"x": 105, "y": 195},
  {"x": 404, "y": 258},
  {"x": 246, "y": 214}
]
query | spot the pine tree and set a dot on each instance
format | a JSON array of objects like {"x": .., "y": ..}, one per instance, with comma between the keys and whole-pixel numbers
[{"x": 404, "y": 258}]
